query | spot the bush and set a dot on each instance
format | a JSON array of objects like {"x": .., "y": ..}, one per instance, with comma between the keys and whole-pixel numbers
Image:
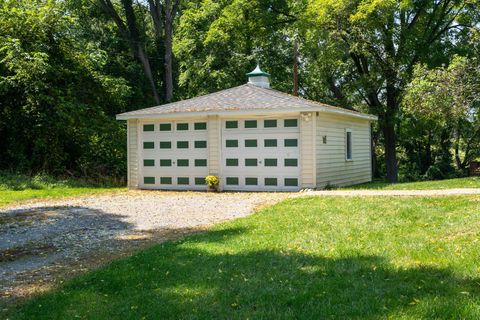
[{"x": 440, "y": 170}]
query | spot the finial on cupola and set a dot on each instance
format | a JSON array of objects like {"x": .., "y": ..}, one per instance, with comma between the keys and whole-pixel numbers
[{"x": 259, "y": 78}]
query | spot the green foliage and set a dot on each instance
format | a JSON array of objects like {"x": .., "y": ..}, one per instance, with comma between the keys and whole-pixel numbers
[
  {"x": 444, "y": 105},
  {"x": 58, "y": 93},
  {"x": 218, "y": 42}
]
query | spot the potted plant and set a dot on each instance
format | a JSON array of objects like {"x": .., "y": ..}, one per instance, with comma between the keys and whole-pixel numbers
[{"x": 212, "y": 183}]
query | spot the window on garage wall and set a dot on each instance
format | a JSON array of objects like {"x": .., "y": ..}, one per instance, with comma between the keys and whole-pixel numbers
[
  {"x": 348, "y": 145},
  {"x": 148, "y": 127},
  {"x": 270, "y": 142},
  {"x": 269, "y": 123},
  {"x": 182, "y": 126},
  {"x": 165, "y": 127},
  {"x": 200, "y": 126},
  {"x": 231, "y": 124},
  {"x": 290, "y": 123}
]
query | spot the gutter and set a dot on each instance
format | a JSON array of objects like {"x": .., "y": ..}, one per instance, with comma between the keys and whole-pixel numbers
[{"x": 128, "y": 115}]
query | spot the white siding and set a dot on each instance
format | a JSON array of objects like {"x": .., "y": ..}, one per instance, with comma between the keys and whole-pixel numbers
[
  {"x": 213, "y": 145},
  {"x": 332, "y": 168},
  {"x": 132, "y": 153},
  {"x": 307, "y": 149}
]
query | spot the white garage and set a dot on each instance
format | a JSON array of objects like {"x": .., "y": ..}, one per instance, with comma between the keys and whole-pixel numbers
[{"x": 252, "y": 137}]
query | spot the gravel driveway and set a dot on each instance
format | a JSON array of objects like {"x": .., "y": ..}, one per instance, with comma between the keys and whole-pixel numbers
[{"x": 43, "y": 242}]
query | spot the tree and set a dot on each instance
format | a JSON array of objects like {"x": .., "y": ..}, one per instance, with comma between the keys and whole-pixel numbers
[
  {"x": 129, "y": 30},
  {"x": 216, "y": 43},
  {"x": 163, "y": 16},
  {"x": 57, "y": 97},
  {"x": 378, "y": 43},
  {"x": 447, "y": 101}
]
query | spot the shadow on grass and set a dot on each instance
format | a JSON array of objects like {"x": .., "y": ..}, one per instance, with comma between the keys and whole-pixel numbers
[{"x": 205, "y": 277}]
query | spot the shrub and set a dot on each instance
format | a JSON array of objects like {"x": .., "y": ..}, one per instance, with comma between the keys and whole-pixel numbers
[{"x": 212, "y": 181}]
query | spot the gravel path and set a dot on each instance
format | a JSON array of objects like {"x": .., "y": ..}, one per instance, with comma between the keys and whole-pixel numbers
[{"x": 40, "y": 240}]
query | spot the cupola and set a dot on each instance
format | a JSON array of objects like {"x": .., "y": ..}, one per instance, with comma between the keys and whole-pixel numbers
[{"x": 259, "y": 78}]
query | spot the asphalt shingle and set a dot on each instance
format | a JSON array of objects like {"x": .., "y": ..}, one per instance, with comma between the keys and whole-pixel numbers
[{"x": 244, "y": 97}]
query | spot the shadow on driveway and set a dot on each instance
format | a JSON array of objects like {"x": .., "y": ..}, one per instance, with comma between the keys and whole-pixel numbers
[{"x": 40, "y": 245}]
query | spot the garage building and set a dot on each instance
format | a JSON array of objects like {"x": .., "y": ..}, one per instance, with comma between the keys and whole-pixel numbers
[{"x": 252, "y": 137}]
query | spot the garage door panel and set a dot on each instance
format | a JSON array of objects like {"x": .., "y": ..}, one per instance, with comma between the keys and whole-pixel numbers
[
  {"x": 260, "y": 158},
  {"x": 178, "y": 145}
]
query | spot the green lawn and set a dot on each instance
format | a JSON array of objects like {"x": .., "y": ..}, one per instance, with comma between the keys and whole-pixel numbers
[
  {"x": 470, "y": 182},
  {"x": 10, "y": 196},
  {"x": 17, "y": 188},
  {"x": 310, "y": 258}
]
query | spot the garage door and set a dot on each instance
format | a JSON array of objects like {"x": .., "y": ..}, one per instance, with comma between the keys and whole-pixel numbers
[
  {"x": 260, "y": 154},
  {"x": 174, "y": 155}
]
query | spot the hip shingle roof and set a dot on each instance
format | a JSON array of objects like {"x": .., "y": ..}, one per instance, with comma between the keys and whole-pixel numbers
[{"x": 242, "y": 98}]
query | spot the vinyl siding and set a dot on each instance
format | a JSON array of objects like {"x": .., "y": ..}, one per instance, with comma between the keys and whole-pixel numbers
[
  {"x": 331, "y": 166},
  {"x": 307, "y": 150},
  {"x": 132, "y": 153},
  {"x": 213, "y": 145}
]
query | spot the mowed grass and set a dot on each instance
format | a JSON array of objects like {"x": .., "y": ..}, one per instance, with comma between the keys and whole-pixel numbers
[
  {"x": 17, "y": 188},
  {"x": 304, "y": 258},
  {"x": 469, "y": 182}
]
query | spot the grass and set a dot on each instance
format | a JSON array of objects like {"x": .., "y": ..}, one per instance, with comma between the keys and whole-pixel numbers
[
  {"x": 16, "y": 188},
  {"x": 470, "y": 182},
  {"x": 304, "y": 258}
]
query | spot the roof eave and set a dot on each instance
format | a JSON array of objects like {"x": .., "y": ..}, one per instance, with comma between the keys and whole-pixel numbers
[{"x": 127, "y": 116}]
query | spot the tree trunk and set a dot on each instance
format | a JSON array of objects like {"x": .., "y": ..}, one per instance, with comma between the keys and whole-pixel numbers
[
  {"x": 168, "y": 57},
  {"x": 162, "y": 17},
  {"x": 131, "y": 34},
  {"x": 428, "y": 153},
  {"x": 143, "y": 58},
  {"x": 388, "y": 128},
  {"x": 458, "y": 162},
  {"x": 373, "y": 140}
]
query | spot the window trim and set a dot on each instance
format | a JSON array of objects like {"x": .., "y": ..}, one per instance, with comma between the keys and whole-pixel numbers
[{"x": 347, "y": 146}]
